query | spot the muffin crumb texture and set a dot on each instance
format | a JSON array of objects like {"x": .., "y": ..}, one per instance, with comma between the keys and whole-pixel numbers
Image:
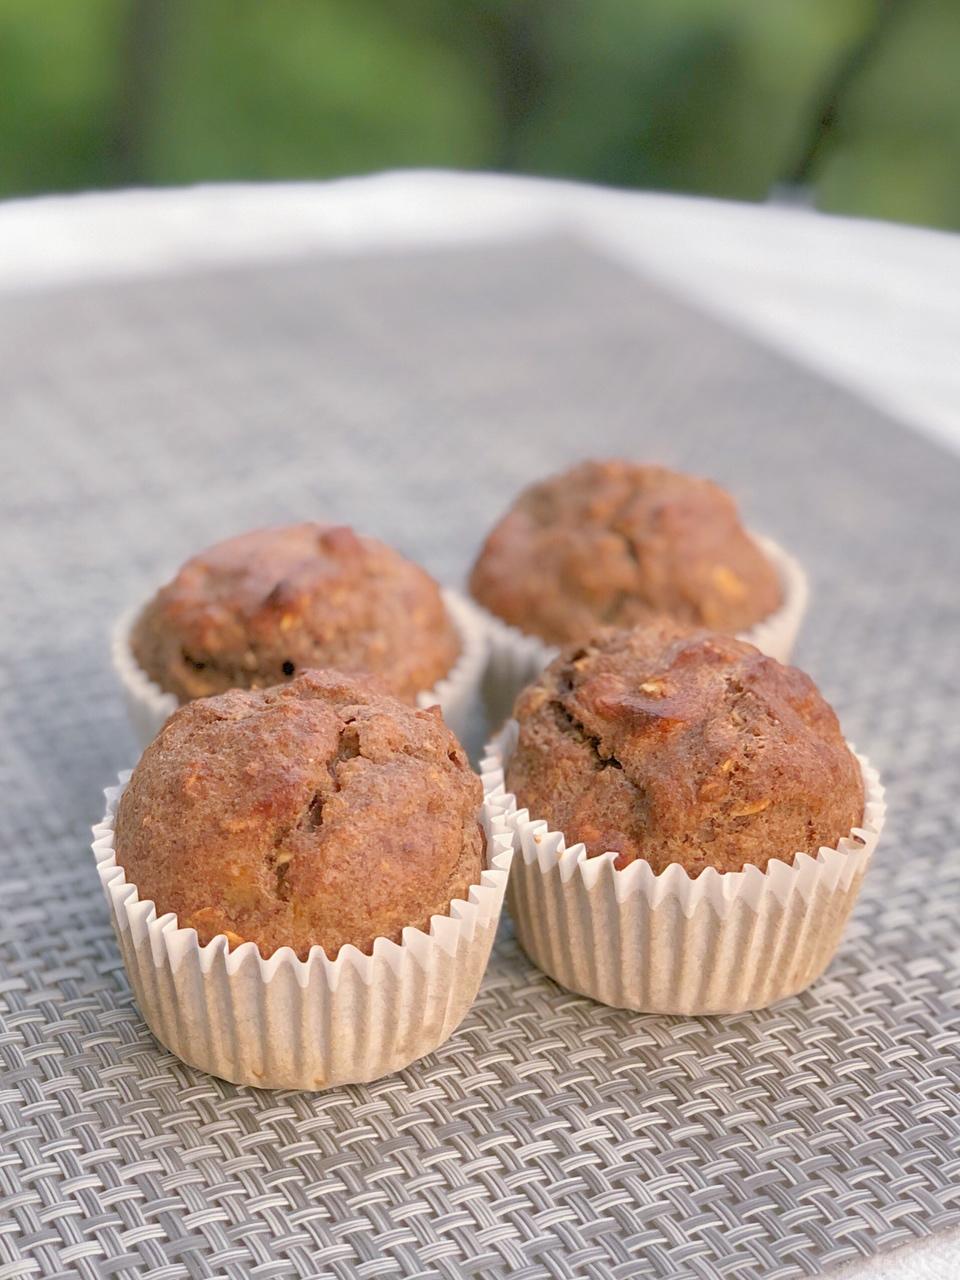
[
  {"x": 683, "y": 746},
  {"x": 617, "y": 544},
  {"x": 322, "y": 812},
  {"x": 257, "y": 609}
]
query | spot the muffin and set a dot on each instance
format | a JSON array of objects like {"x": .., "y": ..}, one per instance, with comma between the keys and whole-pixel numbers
[
  {"x": 304, "y": 882},
  {"x": 685, "y": 747},
  {"x": 319, "y": 813},
  {"x": 257, "y": 609},
  {"x": 692, "y": 827},
  {"x": 616, "y": 544}
]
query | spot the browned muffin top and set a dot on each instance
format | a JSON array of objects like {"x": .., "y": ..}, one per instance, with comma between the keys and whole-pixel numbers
[
  {"x": 685, "y": 746},
  {"x": 256, "y": 609},
  {"x": 613, "y": 543},
  {"x": 320, "y": 812}
]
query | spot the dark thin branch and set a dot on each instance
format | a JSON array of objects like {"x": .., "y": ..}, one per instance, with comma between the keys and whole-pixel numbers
[
  {"x": 514, "y": 35},
  {"x": 141, "y": 57},
  {"x": 844, "y": 77}
]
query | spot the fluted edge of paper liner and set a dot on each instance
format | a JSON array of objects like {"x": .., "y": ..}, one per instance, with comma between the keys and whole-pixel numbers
[
  {"x": 284, "y": 1022},
  {"x": 720, "y": 943}
]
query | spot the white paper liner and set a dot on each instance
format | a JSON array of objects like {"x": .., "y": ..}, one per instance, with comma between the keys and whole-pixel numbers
[
  {"x": 516, "y": 658},
  {"x": 720, "y": 943},
  {"x": 149, "y": 707},
  {"x": 304, "y": 1024}
]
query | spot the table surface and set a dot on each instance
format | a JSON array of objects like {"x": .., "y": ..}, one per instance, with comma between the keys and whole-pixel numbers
[{"x": 875, "y": 307}]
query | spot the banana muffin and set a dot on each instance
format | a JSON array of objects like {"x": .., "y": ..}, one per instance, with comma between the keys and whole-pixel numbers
[
  {"x": 615, "y": 543},
  {"x": 257, "y": 609},
  {"x": 321, "y": 812},
  {"x": 677, "y": 745}
]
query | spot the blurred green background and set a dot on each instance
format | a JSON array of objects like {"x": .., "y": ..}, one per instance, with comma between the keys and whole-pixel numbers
[{"x": 854, "y": 102}]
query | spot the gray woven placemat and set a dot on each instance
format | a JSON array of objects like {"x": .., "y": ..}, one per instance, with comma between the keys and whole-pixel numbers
[{"x": 550, "y": 1136}]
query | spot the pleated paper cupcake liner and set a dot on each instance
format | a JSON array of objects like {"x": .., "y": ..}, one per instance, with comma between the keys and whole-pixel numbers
[
  {"x": 720, "y": 943},
  {"x": 517, "y": 658},
  {"x": 304, "y": 1024},
  {"x": 776, "y": 634},
  {"x": 149, "y": 707}
]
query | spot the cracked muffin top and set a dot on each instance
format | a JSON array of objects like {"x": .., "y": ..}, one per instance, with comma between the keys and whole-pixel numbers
[
  {"x": 614, "y": 543},
  {"x": 683, "y": 746},
  {"x": 254, "y": 610},
  {"x": 321, "y": 812}
]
